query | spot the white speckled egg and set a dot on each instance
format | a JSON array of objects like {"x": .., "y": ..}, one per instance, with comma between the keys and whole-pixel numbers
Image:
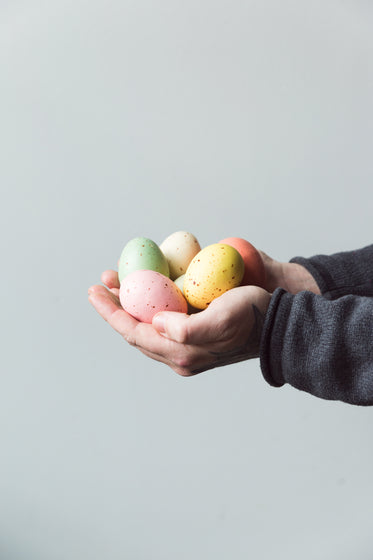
[
  {"x": 143, "y": 293},
  {"x": 179, "y": 248}
]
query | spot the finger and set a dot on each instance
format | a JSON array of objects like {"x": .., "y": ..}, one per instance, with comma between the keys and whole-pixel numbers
[
  {"x": 184, "y": 372},
  {"x": 186, "y": 360},
  {"x": 107, "y": 304},
  {"x": 142, "y": 335},
  {"x": 193, "y": 361},
  {"x": 97, "y": 290},
  {"x": 110, "y": 279},
  {"x": 200, "y": 328}
]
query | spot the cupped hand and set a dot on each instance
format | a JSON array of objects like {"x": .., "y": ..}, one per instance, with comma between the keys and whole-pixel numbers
[{"x": 228, "y": 331}]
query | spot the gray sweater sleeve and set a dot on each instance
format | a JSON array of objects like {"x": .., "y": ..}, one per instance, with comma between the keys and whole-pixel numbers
[{"x": 323, "y": 344}]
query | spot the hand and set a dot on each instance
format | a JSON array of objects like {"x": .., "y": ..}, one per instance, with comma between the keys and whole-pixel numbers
[
  {"x": 228, "y": 331},
  {"x": 292, "y": 277}
]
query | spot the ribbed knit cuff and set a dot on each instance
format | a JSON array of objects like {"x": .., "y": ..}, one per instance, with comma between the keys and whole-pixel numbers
[{"x": 270, "y": 347}]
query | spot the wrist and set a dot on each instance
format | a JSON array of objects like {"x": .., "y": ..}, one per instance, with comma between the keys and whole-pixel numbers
[
  {"x": 290, "y": 276},
  {"x": 296, "y": 279}
]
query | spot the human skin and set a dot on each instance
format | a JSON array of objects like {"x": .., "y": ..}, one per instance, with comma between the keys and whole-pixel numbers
[{"x": 228, "y": 331}]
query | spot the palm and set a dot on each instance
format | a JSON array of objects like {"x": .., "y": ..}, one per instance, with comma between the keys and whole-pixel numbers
[{"x": 227, "y": 331}]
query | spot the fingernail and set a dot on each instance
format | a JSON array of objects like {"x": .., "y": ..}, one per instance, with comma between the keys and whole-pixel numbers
[{"x": 159, "y": 323}]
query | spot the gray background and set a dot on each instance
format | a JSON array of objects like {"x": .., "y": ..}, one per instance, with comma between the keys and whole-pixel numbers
[{"x": 127, "y": 118}]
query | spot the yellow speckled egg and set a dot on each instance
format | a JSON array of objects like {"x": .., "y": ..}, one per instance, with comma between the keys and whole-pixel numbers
[{"x": 213, "y": 271}]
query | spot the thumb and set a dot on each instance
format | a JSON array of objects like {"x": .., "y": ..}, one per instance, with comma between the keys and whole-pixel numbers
[{"x": 183, "y": 328}]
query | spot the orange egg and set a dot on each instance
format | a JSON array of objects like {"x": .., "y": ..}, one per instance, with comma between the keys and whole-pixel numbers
[{"x": 254, "y": 267}]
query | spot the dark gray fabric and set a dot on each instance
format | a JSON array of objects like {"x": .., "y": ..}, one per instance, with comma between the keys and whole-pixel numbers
[
  {"x": 323, "y": 344},
  {"x": 341, "y": 274}
]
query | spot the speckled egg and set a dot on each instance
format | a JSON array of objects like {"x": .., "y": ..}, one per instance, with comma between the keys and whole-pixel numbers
[
  {"x": 179, "y": 248},
  {"x": 143, "y": 293},
  {"x": 213, "y": 271},
  {"x": 254, "y": 267},
  {"x": 141, "y": 253},
  {"x": 180, "y": 283}
]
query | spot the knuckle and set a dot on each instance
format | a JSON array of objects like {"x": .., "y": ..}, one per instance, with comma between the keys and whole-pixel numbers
[
  {"x": 181, "y": 334},
  {"x": 182, "y": 361},
  {"x": 183, "y": 372},
  {"x": 130, "y": 339}
]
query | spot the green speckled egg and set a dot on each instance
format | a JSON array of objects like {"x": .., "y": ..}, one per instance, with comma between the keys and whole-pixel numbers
[{"x": 142, "y": 253}]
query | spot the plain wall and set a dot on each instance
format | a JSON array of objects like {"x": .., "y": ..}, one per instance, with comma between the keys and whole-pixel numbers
[{"x": 140, "y": 118}]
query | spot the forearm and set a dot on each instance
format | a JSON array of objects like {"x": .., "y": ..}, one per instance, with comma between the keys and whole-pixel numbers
[{"x": 333, "y": 276}]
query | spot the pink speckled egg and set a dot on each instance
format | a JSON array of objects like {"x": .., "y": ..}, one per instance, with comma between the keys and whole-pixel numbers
[{"x": 143, "y": 293}]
